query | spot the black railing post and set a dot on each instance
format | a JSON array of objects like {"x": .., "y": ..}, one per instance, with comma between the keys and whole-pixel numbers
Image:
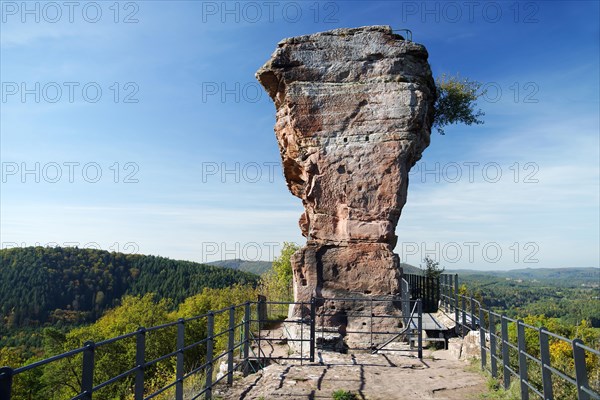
[
  {"x": 230, "y": 345},
  {"x": 209, "y": 355},
  {"x": 522, "y": 360},
  {"x": 580, "y": 370},
  {"x": 423, "y": 287},
  {"x": 313, "y": 339},
  {"x": 437, "y": 293},
  {"x": 545, "y": 358},
  {"x": 464, "y": 314},
  {"x": 446, "y": 291},
  {"x": 420, "y": 329},
  {"x": 6, "y": 376},
  {"x": 442, "y": 290},
  {"x": 140, "y": 362},
  {"x": 472, "y": 308},
  {"x": 180, "y": 359},
  {"x": 505, "y": 352},
  {"x": 261, "y": 312},
  {"x": 246, "y": 340},
  {"x": 456, "y": 301},
  {"x": 482, "y": 339},
  {"x": 493, "y": 352},
  {"x": 87, "y": 374}
]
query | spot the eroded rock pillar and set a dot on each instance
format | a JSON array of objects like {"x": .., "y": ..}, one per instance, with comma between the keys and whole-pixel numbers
[{"x": 354, "y": 113}]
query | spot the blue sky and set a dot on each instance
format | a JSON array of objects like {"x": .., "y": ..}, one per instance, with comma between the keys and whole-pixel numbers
[{"x": 143, "y": 129}]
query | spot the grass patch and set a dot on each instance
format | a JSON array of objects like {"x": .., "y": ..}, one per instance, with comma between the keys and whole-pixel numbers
[
  {"x": 343, "y": 395},
  {"x": 496, "y": 391}
]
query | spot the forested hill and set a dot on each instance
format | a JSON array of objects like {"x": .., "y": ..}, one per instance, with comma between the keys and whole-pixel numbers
[
  {"x": 564, "y": 277},
  {"x": 71, "y": 285},
  {"x": 255, "y": 267}
]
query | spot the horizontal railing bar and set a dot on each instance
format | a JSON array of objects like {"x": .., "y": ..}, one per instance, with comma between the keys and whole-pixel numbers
[
  {"x": 226, "y": 309},
  {"x": 115, "y": 378},
  {"x": 295, "y": 321},
  {"x": 530, "y": 386},
  {"x": 557, "y": 336},
  {"x": 197, "y": 317},
  {"x": 219, "y": 380},
  {"x": 220, "y": 356},
  {"x": 48, "y": 360},
  {"x": 191, "y": 346},
  {"x": 161, "y": 358},
  {"x": 364, "y": 315},
  {"x": 583, "y": 346},
  {"x": 283, "y": 302},
  {"x": 532, "y": 358},
  {"x": 262, "y": 339},
  {"x": 511, "y": 371},
  {"x": 192, "y": 372},
  {"x": 469, "y": 298},
  {"x": 591, "y": 393},
  {"x": 380, "y": 333},
  {"x": 561, "y": 374},
  {"x": 237, "y": 346},
  {"x": 216, "y": 335},
  {"x": 115, "y": 339},
  {"x": 529, "y": 326},
  {"x": 509, "y": 344},
  {"x": 395, "y": 300},
  {"x": 201, "y": 393},
  {"x": 161, "y": 390},
  {"x": 257, "y": 358},
  {"x": 163, "y": 326}
]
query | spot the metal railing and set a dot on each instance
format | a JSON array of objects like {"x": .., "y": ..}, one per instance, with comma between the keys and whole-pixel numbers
[
  {"x": 371, "y": 321},
  {"x": 506, "y": 353},
  {"x": 238, "y": 319},
  {"x": 242, "y": 350},
  {"x": 425, "y": 288}
]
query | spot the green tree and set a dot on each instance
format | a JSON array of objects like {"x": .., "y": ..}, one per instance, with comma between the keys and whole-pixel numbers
[
  {"x": 432, "y": 268},
  {"x": 61, "y": 379},
  {"x": 282, "y": 265},
  {"x": 276, "y": 283},
  {"x": 456, "y": 102}
]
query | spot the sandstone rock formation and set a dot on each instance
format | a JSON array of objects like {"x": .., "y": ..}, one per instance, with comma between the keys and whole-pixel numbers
[{"x": 354, "y": 113}]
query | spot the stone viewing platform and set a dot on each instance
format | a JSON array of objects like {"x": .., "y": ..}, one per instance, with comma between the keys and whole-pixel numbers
[{"x": 383, "y": 376}]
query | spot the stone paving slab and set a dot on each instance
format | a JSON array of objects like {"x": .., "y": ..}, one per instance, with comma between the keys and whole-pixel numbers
[{"x": 368, "y": 376}]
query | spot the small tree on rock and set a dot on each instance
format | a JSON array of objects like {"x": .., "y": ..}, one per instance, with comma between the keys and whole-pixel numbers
[{"x": 456, "y": 102}]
